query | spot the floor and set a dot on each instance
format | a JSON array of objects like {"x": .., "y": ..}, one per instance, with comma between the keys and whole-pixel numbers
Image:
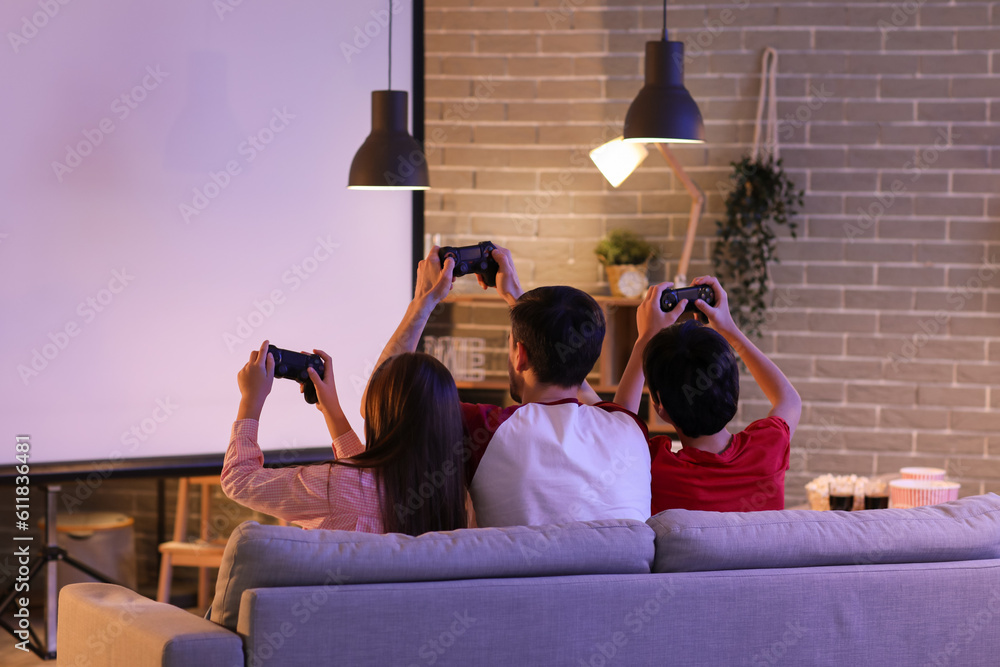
[{"x": 13, "y": 657}]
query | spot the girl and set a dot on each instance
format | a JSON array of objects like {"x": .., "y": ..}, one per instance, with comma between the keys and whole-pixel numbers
[{"x": 409, "y": 478}]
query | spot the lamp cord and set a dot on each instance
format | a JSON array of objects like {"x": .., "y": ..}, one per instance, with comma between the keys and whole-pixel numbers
[{"x": 664, "y": 20}]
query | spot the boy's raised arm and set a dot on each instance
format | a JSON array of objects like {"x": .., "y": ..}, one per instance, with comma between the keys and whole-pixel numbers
[
  {"x": 649, "y": 321},
  {"x": 784, "y": 399}
]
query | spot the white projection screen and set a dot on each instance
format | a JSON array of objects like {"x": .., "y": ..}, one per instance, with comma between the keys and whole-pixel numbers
[{"x": 172, "y": 192}]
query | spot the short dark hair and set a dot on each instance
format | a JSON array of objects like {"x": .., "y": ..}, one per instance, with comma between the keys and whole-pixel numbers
[
  {"x": 692, "y": 372},
  {"x": 561, "y": 329}
]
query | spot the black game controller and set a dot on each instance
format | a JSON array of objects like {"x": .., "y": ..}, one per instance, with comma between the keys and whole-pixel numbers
[
  {"x": 672, "y": 297},
  {"x": 293, "y": 365},
  {"x": 473, "y": 259}
]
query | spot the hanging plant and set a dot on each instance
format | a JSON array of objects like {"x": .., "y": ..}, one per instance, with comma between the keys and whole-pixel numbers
[{"x": 762, "y": 198}]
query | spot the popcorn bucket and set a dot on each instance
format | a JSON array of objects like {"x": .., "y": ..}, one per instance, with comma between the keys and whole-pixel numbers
[
  {"x": 906, "y": 493},
  {"x": 921, "y": 473}
]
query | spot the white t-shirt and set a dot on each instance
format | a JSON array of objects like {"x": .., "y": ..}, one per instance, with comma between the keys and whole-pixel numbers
[{"x": 542, "y": 463}]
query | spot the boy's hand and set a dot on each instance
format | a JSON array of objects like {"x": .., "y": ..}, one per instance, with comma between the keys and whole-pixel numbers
[
  {"x": 508, "y": 284},
  {"x": 719, "y": 317},
  {"x": 649, "y": 318},
  {"x": 433, "y": 279},
  {"x": 255, "y": 380}
]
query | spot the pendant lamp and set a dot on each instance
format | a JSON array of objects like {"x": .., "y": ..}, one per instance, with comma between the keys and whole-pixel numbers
[
  {"x": 664, "y": 111},
  {"x": 390, "y": 158}
]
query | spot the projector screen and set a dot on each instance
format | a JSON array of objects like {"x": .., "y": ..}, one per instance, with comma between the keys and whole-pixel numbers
[{"x": 173, "y": 189}]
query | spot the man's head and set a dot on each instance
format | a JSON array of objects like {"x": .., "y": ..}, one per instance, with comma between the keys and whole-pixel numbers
[
  {"x": 560, "y": 331},
  {"x": 692, "y": 373}
]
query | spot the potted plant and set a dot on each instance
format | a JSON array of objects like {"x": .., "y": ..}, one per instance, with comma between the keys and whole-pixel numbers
[
  {"x": 625, "y": 256},
  {"x": 762, "y": 198}
]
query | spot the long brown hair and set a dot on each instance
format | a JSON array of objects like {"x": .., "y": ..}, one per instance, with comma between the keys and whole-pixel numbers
[{"x": 415, "y": 446}]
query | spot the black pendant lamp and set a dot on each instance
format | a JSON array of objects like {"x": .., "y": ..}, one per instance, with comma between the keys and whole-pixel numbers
[
  {"x": 664, "y": 111},
  {"x": 389, "y": 159}
]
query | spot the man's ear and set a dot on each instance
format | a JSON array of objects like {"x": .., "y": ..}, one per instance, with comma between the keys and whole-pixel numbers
[{"x": 520, "y": 358}]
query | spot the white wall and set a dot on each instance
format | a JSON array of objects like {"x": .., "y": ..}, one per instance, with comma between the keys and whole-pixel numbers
[{"x": 168, "y": 171}]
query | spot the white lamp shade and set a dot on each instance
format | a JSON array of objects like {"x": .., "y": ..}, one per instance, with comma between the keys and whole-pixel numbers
[{"x": 617, "y": 159}]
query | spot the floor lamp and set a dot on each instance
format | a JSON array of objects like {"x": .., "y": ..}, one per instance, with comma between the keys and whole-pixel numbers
[{"x": 617, "y": 159}]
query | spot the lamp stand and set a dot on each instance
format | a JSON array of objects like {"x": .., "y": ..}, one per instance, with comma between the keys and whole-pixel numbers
[{"x": 697, "y": 204}]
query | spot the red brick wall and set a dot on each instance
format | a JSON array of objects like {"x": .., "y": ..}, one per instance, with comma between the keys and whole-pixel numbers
[{"x": 887, "y": 320}]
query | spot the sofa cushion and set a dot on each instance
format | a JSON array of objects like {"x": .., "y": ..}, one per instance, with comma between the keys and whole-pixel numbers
[
  {"x": 263, "y": 556},
  {"x": 691, "y": 541}
]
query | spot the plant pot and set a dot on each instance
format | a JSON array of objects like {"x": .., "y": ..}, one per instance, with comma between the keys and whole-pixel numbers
[{"x": 628, "y": 280}]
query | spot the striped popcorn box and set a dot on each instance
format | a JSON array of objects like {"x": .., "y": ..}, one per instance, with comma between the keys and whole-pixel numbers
[
  {"x": 921, "y": 473},
  {"x": 906, "y": 493}
]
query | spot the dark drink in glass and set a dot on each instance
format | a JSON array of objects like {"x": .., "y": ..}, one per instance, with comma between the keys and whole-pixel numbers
[
  {"x": 876, "y": 502},
  {"x": 844, "y": 503}
]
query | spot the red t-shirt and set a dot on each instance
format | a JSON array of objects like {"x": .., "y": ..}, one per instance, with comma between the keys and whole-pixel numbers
[{"x": 748, "y": 476}]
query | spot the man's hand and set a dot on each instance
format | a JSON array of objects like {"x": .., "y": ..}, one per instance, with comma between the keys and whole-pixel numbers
[
  {"x": 433, "y": 279},
  {"x": 649, "y": 318},
  {"x": 255, "y": 380},
  {"x": 719, "y": 317},
  {"x": 508, "y": 284}
]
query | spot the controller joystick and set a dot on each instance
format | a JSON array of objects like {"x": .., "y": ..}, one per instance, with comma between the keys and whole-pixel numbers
[
  {"x": 473, "y": 259},
  {"x": 293, "y": 365},
  {"x": 671, "y": 297}
]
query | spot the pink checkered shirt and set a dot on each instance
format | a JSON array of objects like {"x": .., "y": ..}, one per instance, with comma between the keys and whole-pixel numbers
[{"x": 321, "y": 495}]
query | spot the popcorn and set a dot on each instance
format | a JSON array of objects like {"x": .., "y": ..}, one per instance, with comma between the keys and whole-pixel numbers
[{"x": 819, "y": 490}]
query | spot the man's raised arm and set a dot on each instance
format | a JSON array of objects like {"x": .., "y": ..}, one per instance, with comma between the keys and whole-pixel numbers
[{"x": 433, "y": 285}]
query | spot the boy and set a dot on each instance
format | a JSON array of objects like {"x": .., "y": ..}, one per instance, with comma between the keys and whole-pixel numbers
[{"x": 693, "y": 382}]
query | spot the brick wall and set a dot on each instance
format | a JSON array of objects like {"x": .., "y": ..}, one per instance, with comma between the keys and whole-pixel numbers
[{"x": 888, "y": 314}]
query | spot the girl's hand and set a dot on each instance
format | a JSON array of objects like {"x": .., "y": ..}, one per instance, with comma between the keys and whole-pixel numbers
[
  {"x": 327, "y": 399},
  {"x": 255, "y": 380},
  {"x": 326, "y": 388}
]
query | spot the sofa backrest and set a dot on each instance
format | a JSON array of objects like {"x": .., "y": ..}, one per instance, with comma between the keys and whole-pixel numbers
[
  {"x": 260, "y": 556},
  {"x": 691, "y": 541}
]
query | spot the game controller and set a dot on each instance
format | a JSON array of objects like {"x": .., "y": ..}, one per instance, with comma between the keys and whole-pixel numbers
[
  {"x": 473, "y": 259},
  {"x": 293, "y": 365},
  {"x": 671, "y": 297}
]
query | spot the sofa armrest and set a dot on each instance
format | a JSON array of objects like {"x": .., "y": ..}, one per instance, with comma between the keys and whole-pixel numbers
[{"x": 102, "y": 625}]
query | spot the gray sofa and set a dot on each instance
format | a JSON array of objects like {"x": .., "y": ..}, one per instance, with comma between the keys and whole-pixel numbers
[{"x": 795, "y": 587}]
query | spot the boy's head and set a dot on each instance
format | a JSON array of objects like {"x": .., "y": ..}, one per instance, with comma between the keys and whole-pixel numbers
[
  {"x": 561, "y": 330},
  {"x": 692, "y": 373}
]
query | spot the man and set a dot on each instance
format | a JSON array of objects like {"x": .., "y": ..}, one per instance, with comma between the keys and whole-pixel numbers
[{"x": 551, "y": 458}]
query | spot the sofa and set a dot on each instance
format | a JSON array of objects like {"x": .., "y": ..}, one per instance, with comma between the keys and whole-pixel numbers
[{"x": 916, "y": 586}]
